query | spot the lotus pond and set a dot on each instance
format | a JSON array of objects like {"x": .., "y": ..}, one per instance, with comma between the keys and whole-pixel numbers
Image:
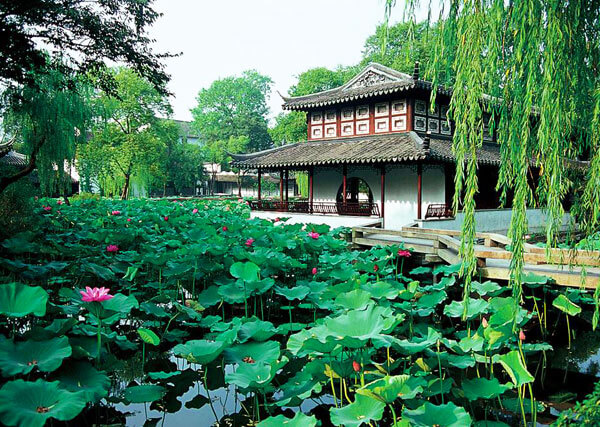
[{"x": 208, "y": 317}]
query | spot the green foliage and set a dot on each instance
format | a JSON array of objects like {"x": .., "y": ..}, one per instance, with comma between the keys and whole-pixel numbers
[
  {"x": 49, "y": 118},
  {"x": 82, "y": 37},
  {"x": 320, "y": 79},
  {"x": 400, "y": 45},
  {"x": 289, "y": 127},
  {"x": 235, "y": 107},
  {"x": 16, "y": 205},
  {"x": 130, "y": 141},
  {"x": 583, "y": 413}
]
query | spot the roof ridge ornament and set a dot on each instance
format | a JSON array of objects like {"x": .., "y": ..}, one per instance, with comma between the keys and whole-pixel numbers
[
  {"x": 369, "y": 78},
  {"x": 415, "y": 75}
]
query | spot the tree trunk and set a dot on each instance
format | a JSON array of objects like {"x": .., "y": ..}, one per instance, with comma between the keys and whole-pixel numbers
[
  {"x": 125, "y": 192},
  {"x": 240, "y": 184},
  {"x": 7, "y": 180}
]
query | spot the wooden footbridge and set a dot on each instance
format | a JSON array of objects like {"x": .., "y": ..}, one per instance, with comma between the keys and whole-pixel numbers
[{"x": 567, "y": 267}]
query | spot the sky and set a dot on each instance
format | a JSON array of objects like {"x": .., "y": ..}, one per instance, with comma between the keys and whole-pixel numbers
[{"x": 278, "y": 38}]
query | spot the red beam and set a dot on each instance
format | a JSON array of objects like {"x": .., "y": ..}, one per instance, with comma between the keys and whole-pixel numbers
[
  {"x": 310, "y": 188},
  {"x": 259, "y": 183},
  {"x": 419, "y": 190},
  {"x": 281, "y": 185},
  {"x": 383, "y": 192},
  {"x": 287, "y": 180},
  {"x": 344, "y": 183}
]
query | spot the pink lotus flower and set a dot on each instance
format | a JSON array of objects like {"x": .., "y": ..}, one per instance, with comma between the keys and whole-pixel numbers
[
  {"x": 484, "y": 322},
  {"x": 95, "y": 294},
  {"x": 115, "y": 213},
  {"x": 521, "y": 335},
  {"x": 128, "y": 219},
  {"x": 314, "y": 270},
  {"x": 224, "y": 228},
  {"x": 375, "y": 268},
  {"x": 59, "y": 202},
  {"x": 47, "y": 208},
  {"x": 313, "y": 235},
  {"x": 112, "y": 248},
  {"x": 250, "y": 242},
  {"x": 355, "y": 366},
  {"x": 195, "y": 211},
  {"x": 403, "y": 254},
  {"x": 240, "y": 200},
  {"x": 166, "y": 218},
  {"x": 276, "y": 220}
]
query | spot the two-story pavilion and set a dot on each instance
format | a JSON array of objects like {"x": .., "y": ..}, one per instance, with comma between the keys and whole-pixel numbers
[{"x": 375, "y": 147}]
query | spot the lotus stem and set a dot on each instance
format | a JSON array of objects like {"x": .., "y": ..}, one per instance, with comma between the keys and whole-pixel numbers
[
  {"x": 290, "y": 311},
  {"x": 332, "y": 388},
  {"x": 346, "y": 391},
  {"x": 245, "y": 301},
  {"x": 533, "y": 407},
  {"x": 391, "y": 406},
  {"x": 388, "y": 359},
  {"x": 440, "y": 371},
  {"x": 342, "y": 392},
  {"x": 99, "y": 341},
  {"x": 208, "y": 395},
  {"x": 522, "y": 407},
  {"x": 143, "y": 356},
  {"x": 568, "y": 332}
]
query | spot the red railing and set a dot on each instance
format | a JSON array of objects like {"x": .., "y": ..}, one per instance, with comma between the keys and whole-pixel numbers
[
  {"x": 325, "y": 208},
  {"x": 441, "y": 210}
]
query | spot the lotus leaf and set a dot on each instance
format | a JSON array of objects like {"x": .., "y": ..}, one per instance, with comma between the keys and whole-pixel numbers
[
  {"x": 483, "y": 388},
  {"x": 380, "y": 290},
  {"x": 565, "y": 305},
  {"x": 487, "y": 288},
  {"x": 144, "y": 393},
  {"x": 516, "y": 369},
  {"x": 148, "y": 336},
  {"x": 246, "y": 271},
  {"x": 256, "y": 330},
  {"x": 428, "y": 414},
  {"x": 356, "y": 299},
  {"x": 251, "y": 375},
  {"x": 363, "y": 410},
  {"x": 83, "y": 377},
  {"x": 356, "y": 327},
  {"x": 475, "y": 308},
  {"x": 22, "y": 357},
  {"x": 299, "y": 388},
  {"x": 267, "y": 352},
  {"x": 26, "y": 403},
  {"x": 210, "y": 296},
  {"x": 199, "y": 351},
  {"x": 390, "y": 388},
  {"x": 18, "y": 300},
  {"x": 299, "y": 420},
  {"x": 197, "y": 402},
  {"x": 297, "y": 292}
]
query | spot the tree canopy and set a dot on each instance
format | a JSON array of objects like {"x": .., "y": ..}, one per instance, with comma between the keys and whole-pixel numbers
[
  {"x": 129, "y": 138},
  {"x": 83, "y": 35},
  {"x": 235, "y": 107}
]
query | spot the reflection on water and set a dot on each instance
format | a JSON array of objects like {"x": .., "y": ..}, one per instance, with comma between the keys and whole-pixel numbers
[{"x": 583, "y": 357}]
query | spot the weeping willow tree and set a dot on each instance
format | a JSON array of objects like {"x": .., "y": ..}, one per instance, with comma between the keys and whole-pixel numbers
[
  {"x": 533, "y": 65},
  {"x": 48, "y": 117}
]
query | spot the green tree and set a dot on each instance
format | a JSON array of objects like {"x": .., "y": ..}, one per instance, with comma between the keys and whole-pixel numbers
[
  {"x": 289, "y": 127},
  {"x": 320, "y": 79},
  {"x": 216, "y": 154},
  {"x": 84, "y": 34},
  {"x": 130, "y": 138},
  {"x": 185, "y": 165},
  {"x": 235, "y": 107},
  {"x": 49, "y": 119},
  {"x": 400, "y": 45}
]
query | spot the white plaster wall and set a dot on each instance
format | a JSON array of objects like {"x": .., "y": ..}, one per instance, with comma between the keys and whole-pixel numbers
[
  {"x": 400, "y": 189},
  {"x": 494, "y": 220}
]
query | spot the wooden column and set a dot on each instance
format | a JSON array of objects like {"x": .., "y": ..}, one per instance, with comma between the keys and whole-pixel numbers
[
  {"x": 310, "y": 190},
  {"x": 344, "y": 184},
  {"x": 259, "y": 184},
  {"x": 281, "y": 185},
  {"x": 419, "y": 190},
  {"x": 287, "y": 180},
  {"x": 382, "y": 212}
]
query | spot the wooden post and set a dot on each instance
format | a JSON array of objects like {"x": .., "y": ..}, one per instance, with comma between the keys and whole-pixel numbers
[
  {"x": 259, "y": 185},
  {"x": 344, "y": 181},
  {"x": 310, "y": 190},
  {"x": 287, "y": 190},
  {"x": 281, "y": 186},
  {"x": 382, "y": 212},
  {"x": 419, "y": 190}
]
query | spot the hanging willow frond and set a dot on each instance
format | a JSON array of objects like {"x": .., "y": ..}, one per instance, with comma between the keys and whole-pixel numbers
[{"x": 539, "y": 62}]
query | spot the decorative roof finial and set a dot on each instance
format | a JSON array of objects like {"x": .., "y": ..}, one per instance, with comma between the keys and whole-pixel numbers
[
  {"x": 416, "y": 71},
  {"x": 426, "y": 141}
]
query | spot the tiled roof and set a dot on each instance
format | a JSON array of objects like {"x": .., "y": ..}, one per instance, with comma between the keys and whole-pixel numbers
[
  {"x": 12, "y": 158},
  {"x": 390, "y": 81},
  {"x": 388, "y": 148}
]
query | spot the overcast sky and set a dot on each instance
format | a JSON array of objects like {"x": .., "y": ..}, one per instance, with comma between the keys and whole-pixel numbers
[{"x": 279, "y": 38}]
